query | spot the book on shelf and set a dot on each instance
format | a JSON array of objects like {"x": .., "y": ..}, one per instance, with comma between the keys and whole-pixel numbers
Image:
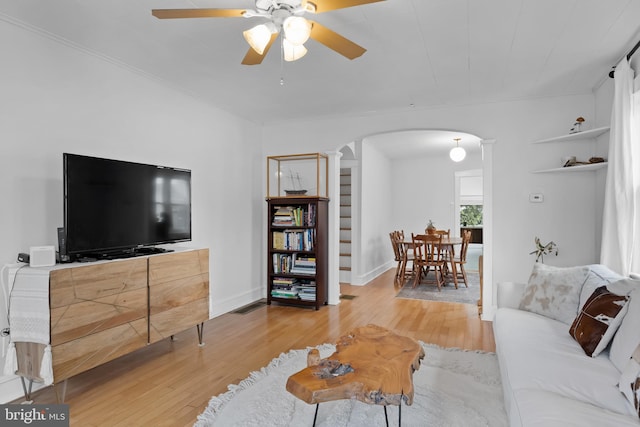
[
  {"x": 279, "y": 240},
  {"x": 303, "y": 265},
  {"x": 284, "y": 294},
  {"x": 294, "y": 216},
  {"x": 282, "y": 263},
  {"x": 294, "y": 240},
  {"x": 284, "y": 281}
]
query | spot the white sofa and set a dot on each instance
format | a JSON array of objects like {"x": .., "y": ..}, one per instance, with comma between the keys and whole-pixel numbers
[{"x": 548, "y": 380}]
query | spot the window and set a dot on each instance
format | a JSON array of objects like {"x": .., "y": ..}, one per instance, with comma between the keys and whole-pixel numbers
[{"x": 470, "y": 215}]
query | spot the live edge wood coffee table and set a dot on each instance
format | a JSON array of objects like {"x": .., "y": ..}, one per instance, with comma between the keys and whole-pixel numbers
[{"x": 370, "y": 364}]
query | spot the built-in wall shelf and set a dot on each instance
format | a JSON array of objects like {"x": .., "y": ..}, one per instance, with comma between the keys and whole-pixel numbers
[
  {"x": 577, "y": 168},
  {"x": 587, "y": 134}
]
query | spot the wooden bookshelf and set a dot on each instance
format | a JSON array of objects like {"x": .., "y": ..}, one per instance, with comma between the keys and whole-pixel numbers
[{"x": 297, "y": 251}]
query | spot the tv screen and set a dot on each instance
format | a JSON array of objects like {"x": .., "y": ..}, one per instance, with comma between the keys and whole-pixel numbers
[{"x": 113, "y": 206}]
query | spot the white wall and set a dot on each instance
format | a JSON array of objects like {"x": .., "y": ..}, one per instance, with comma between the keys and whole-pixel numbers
[
  {"x": 59, "y": 99},
  {"x": 424, "y": 189},
  {"x": 374, "y": 214},
  {"x": 568, "y": 215}
]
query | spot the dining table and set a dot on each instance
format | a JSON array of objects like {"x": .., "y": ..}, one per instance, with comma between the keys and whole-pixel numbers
[{"x": 447, "y": 244}]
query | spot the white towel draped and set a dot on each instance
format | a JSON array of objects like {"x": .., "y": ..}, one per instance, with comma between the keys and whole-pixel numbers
[{"x": 29, "y": 318}]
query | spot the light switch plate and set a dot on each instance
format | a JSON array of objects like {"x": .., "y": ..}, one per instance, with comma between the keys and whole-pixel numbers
[{"x": 536, "y": 197}]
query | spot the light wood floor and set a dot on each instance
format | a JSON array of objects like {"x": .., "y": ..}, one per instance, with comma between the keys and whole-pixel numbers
[{"x": 170, "y": 383}]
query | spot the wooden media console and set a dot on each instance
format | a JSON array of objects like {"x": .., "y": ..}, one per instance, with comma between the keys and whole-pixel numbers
[{"x": 106, "y": 309}]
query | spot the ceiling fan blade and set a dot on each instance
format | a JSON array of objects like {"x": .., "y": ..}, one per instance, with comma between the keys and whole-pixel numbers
[
  {"x": 197, "y": 13},
  {"x": 254, "y": 58},
  {"x": 326, "y": 5},
  {"x": 335, "y": 41}
]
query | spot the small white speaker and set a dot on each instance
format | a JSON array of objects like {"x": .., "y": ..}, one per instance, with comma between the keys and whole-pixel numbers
[{"x": 42, "y": 256}]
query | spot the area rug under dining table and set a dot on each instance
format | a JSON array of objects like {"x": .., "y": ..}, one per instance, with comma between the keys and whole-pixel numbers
[
  {"x": 452, "y": 388},
  {"x": 448, "y": 292}
]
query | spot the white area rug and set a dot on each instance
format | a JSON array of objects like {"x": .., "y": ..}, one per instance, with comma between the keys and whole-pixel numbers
[{"x": 452, "y": 388}]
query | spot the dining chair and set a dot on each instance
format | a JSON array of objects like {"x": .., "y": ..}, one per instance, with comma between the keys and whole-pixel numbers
[
  {"x": 444, "y": 233},
  {"x": 407, "y": 255},
  {"x": 428, "y": 256},
  {"x": 404, "y": 256},
  {"x": 461, "y": 259},
  {"x": 393, "y": 236}
]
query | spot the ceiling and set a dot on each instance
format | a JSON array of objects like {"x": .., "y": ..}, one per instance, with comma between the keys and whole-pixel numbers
[
  {"x": 420, "y": 53},
  {"x": 416, "y": 143}
]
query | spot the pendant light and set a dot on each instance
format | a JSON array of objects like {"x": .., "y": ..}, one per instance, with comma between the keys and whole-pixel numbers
[{"x": 457, "y": 153}]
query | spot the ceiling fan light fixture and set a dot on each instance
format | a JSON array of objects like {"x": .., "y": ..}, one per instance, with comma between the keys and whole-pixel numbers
[
  {"x": 258, "y": 37},
  {"x": 457, "y": 153},
  {"x": 296, "y": 29},
  {"x": 292, "y": 52}
]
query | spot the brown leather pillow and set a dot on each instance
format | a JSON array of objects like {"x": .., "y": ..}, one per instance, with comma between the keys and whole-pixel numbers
[{"x": 598, "y": 320}]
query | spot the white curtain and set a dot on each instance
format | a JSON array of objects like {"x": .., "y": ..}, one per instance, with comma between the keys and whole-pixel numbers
[
  {"x": 635, "y": 147},
  {"x": 621, "y": 216}
]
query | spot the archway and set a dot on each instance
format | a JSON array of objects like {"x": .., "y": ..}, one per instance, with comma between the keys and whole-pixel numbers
[{"x": 370, "y": 254}]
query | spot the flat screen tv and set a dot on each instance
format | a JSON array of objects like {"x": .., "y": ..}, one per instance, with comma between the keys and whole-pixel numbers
[{"x": 114, "y": 208}]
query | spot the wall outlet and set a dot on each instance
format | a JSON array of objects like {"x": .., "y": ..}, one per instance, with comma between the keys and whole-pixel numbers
[{"x": 536, "y": 197}]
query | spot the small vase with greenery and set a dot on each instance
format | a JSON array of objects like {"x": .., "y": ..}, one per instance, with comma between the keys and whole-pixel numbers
[{"x": 430, "y": 227}]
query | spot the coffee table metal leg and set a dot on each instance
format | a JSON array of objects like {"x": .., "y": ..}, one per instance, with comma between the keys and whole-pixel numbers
[
  {"x": 386, "y": 419},
  {"x": 316, "y": 415}
]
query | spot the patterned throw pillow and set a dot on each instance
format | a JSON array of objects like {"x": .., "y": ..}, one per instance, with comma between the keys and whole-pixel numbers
[
  {"x": 598, "y": 320},
  {"x": 630, "y": 381},
  {"x": 594, "y": 280},
  {"x": 554, "y": 292}
]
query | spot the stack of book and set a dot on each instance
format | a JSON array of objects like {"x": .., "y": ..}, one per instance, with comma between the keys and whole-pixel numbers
[
  {"x": 303, "y": 265},
  {"x": 307, "y": 290},
  {"x": 284, "y": 287},
  {"x": 283, "y": 216}
]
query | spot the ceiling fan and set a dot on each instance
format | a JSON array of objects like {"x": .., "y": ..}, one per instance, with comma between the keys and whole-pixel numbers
[{"x": 281, "y": 16}]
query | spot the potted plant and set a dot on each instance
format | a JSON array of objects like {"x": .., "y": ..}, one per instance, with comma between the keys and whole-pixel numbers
[{"x": 431, "y": 228}]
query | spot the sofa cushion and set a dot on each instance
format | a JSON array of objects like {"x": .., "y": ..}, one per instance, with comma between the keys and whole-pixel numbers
[
  {"x": 630, "y": 381},
  {"x": 554, "y": 292},
  {"x": 598, "y": 320},
  {"x": 628, "y": 336},
  {"x": 537, "y": 353}
]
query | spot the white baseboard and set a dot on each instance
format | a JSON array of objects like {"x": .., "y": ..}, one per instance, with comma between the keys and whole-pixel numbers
[
  {"x": 369, "y": 276},
  {"x": 220, "y": 307}
]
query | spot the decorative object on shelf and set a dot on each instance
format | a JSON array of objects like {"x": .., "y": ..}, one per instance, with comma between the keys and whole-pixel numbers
[
  {"x": 571, "y": 161},
  {"x": 297, "y": 175},
  {"x": 296, "y": 185},
  {"x": 577, "y": 125},
  {"x": 457, "y": 153},
  {"x": 430, "y": 227},
  {"x": 542, "y": 250}
]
